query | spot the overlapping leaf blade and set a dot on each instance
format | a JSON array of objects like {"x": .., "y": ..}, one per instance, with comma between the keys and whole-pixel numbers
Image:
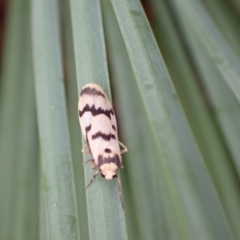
[
  {"x": 59, "y": 189},
  {"x": 105, "y": 215},
  {"x": 180, "y": 155}
]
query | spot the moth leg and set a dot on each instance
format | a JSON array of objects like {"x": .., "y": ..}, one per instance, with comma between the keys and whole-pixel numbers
[
  {"x": 119, "y": 187},
  {"x": 94, "y": 176},
  {"x": 89, "y": 160},
  {"x": 124, "y": 148},
  {"x": 84, "y": 150},
  {"x": 94, "y": 166}
]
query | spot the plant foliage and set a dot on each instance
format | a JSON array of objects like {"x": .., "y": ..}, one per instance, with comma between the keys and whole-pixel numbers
[{"x": 172, "y": 70}]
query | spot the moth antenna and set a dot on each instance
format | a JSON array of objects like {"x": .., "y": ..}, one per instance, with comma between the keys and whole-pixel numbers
[
  {"x": 95, "y": 174},
  {"x": 119, "y": 187}
]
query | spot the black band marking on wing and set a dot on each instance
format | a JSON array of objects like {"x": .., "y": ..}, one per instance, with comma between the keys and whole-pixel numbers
[
  {"x": 102, "y": 160},
  {"x": 95, "y": 111},
  {"x": 88, "y": 128},
  {"x": 106, "y": 137},
  {"x": 91, "y": 91}
]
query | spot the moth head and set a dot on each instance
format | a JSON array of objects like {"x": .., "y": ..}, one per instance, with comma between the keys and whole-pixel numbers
[{"x": 109, "y": 170}]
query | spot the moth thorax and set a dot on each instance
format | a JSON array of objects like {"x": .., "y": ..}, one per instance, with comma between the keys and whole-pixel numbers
[{"x": 109, "y": 170}]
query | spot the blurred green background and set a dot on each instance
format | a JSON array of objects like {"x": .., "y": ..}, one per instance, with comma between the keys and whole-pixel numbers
[{"x": 172, "y": 71}]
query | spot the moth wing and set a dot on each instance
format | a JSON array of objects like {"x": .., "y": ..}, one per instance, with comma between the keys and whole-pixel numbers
[{"x": 103, "y": 138}]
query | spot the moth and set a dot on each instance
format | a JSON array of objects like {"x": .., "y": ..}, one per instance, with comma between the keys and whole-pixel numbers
[{"x": 99, "y": 128}]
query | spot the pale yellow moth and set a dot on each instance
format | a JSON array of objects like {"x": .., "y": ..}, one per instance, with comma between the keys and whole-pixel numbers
[{"x": 99, "y": 129}]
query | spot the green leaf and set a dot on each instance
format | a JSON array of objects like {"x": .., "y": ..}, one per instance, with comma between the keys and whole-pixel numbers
[
  {"x": 217, "y": 78},
  {"x": 180, "y": 158},
  {"x": 226, "y": 21},
  {"x": 18, "y": 137},
  {"x": 24, "y": 197},
  {"x": 141, "y": 193},
  {"x": 201, "y": 24},
  {"x": 227, "y": 113},
  {"x": 181, "y": 173},
  {"x": 59, "y": 189},
  {"x": 105, "y": 215},
  {"x": 74, "y": 129},
  {"x": 212, "y": 147}
]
